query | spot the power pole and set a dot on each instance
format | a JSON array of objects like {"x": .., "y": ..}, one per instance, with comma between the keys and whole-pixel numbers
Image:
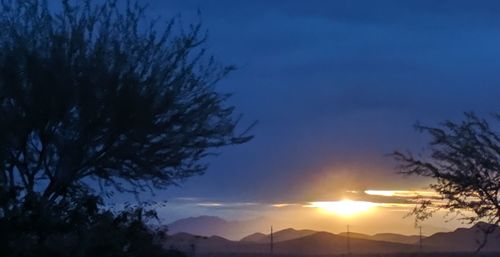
[
  {"x": 420, "y": 237},
  {"x": 272, "y": 241},
  {"x": 193, "y": 248},
  {"x": 348, "y": 241}
]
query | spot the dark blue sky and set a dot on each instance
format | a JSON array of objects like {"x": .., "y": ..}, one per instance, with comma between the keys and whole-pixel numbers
[{"x": 336, "y": 85}]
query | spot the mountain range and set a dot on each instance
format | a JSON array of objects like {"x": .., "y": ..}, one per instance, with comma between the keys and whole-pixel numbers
[
  {"x": 212, "y": 225},
  {"x": 464, "y": 239},
  {"x": 282, "y": 235},
  {"x": 301, "y": 242},
  {"x": 387, "y": 237}
]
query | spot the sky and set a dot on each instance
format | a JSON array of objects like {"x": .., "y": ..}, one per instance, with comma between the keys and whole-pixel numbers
[{"x": 335, "y": 86}]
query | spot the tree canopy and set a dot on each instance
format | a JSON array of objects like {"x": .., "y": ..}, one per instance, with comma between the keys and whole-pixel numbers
[
  {"x": 95, "y": 94},
  {"x": 464, "y": 161}
]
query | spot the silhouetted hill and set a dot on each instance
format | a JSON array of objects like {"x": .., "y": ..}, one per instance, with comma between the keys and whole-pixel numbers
[
  {"x": 193, "y": 245},
  {"x": 388, "y": 237},
  {"x": 212, "y": 225},
  {"x": 317, "y": 243},
  {"x": 255, "y": 237},
  {"x": 355, "y": 235},
  {"x": 309, "y": 242},
  {"x": 328, "y": 243},
  {"x": 278, "y": 236},
  {"x": 195, "y": 224},
  {"x": 463, "y": 239},
  {"x": 397, "y": 238},
  {"x": 290, "y": 233}
]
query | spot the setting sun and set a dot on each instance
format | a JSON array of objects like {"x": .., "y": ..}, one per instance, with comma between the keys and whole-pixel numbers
[{"x": 344, "y": 207}]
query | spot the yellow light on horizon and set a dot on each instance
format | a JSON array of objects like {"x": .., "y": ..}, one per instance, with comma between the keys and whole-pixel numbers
[{"x": 344, "y": 208}]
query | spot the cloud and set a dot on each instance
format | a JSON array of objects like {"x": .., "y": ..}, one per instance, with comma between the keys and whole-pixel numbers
[
  {"x": 402, "y": 193},
  {"x": 230, "y": 205},
  {"x": 381, "y": 198},
  {"x": 285, "y": 205}
]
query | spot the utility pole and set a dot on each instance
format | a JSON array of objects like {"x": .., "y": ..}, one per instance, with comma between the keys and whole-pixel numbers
[
  {"x": 348, "y": 241},
  {"x": 420, "y": 237},
  {"x": 272, "y": 241},
  {"x": 193, "y": 248}
]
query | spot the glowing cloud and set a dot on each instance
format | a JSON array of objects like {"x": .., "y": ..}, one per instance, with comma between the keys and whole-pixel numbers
[
  {"x": 344, "y": 207},
  {"x": 281, "y": 205},
  {"x": 401, "y": 193},
  {"x": 210, "y": 204}
]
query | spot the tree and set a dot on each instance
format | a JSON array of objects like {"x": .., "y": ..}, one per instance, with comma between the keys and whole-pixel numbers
[
  {"x": 92, "y": 92},
  {"x": 464, "y": 161},
  {"x": 77, "y": 227},
  {"x": 96, "y": 95}
]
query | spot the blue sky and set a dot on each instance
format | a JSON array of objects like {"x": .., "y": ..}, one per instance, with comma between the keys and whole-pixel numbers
[{"x": 335, "y": 86}]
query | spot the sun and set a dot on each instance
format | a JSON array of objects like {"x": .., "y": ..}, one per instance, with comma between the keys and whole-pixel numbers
[{"x": 344, "y": 208}]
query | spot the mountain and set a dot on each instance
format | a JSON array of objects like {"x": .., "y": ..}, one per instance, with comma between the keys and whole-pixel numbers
[
  {"x": 316, "y": 243},
  {"x": 388, "y": 237},
  {"x": 212, "y": 225},
  {"x": 200, "y": 245},
  {"x": 327, "y": 243},
  {"x": 308, "y": 242},
  {"x": 290, "y": 233},
  {"x": 282, "y": 235},
  {"x": 397, "y": 238},
  {"x": 255, "y": 237},
  {"x": 195, "y": 225},
  {"x": 463, "y": 239}
]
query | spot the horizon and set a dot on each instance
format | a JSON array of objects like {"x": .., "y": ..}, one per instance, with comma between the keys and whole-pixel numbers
[
  {"x": 277, "y": 230},
  {"x": 294, "y": 241},
  {"x": 241, "y": 227}
]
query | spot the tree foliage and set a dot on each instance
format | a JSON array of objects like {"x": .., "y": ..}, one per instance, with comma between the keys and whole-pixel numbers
[
  {"x": 464, "y": 161},
  {"x": 77, "y": 227},
  {"x": 91, "y": 92},
  {"x": 96, "y": 94}
]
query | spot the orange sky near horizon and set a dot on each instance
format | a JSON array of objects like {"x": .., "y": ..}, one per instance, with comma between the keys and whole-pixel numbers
[
  {"x": 369, "y": 212},
  {"x": 370, "y": 215}
]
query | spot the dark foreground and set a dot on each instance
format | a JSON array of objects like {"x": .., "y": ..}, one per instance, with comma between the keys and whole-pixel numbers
[{"x": 491, "y": 254}]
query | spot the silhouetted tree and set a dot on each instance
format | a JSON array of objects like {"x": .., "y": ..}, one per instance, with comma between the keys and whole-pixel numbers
[
  {"x": 78, "y": 227},
  {"x": 90, "y": 93},
  {"x": 464, "y": 160},
  {"x": 94, "y": 94}
]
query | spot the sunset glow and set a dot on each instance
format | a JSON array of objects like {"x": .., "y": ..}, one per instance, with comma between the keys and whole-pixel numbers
[{"x": 343, "y": 208}]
